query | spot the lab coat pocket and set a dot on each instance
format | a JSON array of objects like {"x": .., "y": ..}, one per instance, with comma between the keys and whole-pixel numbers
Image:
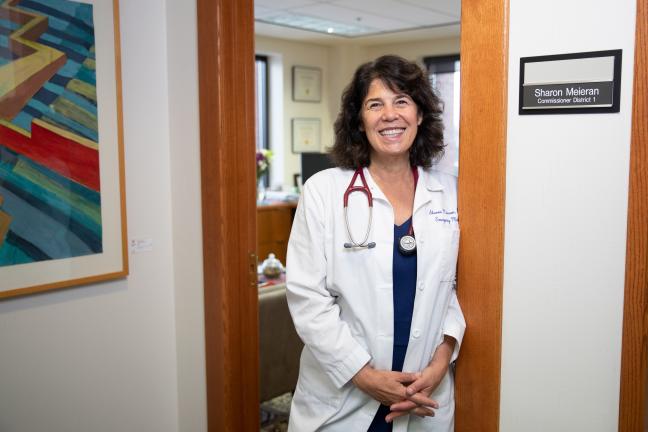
[
  {"x": 308, "y": 412},
  {"x": 443, "y": 421},
  {"x": 314, "y": 383}
]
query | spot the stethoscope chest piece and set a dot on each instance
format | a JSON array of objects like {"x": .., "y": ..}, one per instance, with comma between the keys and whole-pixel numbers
[{"x": 407, "y": 245}]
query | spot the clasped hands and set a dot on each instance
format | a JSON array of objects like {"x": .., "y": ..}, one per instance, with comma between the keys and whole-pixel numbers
[{"x": 404, "y": 392}]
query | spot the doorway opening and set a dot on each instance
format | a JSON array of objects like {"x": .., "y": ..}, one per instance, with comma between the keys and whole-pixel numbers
[{"x": 307, "y": 78}]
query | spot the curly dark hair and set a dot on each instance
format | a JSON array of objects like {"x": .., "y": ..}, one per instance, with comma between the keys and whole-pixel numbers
[{"x": 352, "y": 149}]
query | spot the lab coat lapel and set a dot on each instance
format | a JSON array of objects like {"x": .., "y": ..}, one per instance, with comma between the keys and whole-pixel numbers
[
  {"x": 427, "y": 185},
  {"x": 373, "y": 187}
]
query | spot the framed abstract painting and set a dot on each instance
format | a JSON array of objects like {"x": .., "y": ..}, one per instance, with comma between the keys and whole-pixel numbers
[{"x": 62, "y": 204}]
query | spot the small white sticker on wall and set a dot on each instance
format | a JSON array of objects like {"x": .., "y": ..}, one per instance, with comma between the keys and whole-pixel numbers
[{"x": 141, "y": 245}]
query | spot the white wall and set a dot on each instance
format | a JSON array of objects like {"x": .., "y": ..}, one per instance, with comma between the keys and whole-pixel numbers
[
  {"x": 186, "y": 213},
  {"x": 566, "y": 210},
  {"x": 104, "y": 357}
]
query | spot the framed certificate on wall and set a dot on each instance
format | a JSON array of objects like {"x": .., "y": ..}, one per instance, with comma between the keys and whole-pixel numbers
[
  {"x": 307, "y": 84},
  {"x": 306, "y": 135}
]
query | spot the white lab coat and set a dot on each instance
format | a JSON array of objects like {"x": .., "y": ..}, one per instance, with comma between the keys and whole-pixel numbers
[{"x": 341, "y": 299}]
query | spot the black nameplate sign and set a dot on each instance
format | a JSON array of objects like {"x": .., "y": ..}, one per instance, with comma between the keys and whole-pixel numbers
[{"x": 571, "y": 83}]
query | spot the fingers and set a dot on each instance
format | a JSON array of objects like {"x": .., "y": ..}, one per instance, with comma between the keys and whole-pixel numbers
[
  {"x": 423, "y": 412},
  {"x": 407, "y": 377},
  {"x": 418, "y": 385},
  {"x": 392, "y": 415},
  {"x": 413, "y": 402},
  {"x": 399, "y": 377},
  {"x": 409, "y": 404},
  {"x": 403, "y": 406},
  {"x": 419, "y": 411},
  {"x": 422, "y": 400},
  {"x": 426, "y": 379},
  {"x": 391, "y": 388},
  {"x": 410, "y": 407},
  {"x": 388, "y": 387}
]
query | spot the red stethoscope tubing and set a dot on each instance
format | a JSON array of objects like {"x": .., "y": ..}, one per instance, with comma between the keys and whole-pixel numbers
[{"x": 365, "y": 189}]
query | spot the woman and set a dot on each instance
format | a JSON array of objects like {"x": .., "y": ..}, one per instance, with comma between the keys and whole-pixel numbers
[{"x": 372, "y": 294}]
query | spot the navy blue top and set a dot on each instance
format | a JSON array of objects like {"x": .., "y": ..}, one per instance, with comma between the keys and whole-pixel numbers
[{"x": 404, "y": 291}]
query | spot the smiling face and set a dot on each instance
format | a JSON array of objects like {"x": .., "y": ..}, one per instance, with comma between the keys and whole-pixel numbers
[{"x": 390, "y": 120}]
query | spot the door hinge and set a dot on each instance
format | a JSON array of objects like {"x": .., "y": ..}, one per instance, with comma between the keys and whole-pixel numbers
[{"x": 253, "y": 264}]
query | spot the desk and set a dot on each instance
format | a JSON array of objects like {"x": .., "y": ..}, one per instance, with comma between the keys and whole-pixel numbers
[{"x": 274, "y": 221}]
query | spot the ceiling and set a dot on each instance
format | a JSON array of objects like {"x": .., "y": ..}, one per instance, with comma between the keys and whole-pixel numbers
[{"x": 360, "y": 21}]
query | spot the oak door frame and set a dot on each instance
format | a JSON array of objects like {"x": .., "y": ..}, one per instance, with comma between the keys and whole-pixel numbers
[
  {"x": 227, "y": 149},
  {"x": 634, "y": 353},
  {"x": 482, "y": 191},
  {"x": 226, "y": 85}
]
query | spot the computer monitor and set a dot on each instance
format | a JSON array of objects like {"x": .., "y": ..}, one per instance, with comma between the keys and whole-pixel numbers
[{"x": 314, "y": 162}]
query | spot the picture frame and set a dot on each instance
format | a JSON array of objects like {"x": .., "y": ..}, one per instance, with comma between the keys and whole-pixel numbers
[
  {"x": 307, "y": 84},
  {"x": 62, "y": 186},
  {"x": 306, "y": 134}
]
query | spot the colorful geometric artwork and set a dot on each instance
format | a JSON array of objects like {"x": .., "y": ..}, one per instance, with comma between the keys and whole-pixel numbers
[{"x": 50, "y": 191}]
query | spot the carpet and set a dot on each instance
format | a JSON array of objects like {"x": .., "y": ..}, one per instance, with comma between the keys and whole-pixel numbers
[{"x": 275, "y": 413}]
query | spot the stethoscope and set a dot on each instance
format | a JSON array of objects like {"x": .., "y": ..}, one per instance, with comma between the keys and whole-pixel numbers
[{"x": 406, "y": 244}]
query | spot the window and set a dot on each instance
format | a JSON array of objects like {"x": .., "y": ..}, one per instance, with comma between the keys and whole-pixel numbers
[
  {"x": 444, "y": 77},
  {"x": 261, "y": 95}
]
